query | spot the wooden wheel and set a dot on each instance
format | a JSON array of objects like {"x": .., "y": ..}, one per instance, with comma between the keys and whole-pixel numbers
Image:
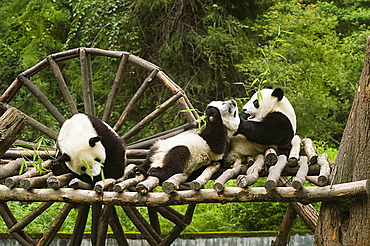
[{"x": 47, "y": 110}]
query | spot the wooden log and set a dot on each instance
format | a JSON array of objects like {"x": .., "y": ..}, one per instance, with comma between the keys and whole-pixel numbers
[
  {"x": 62, "y": 85},
  {"x": 173, "y": 183},
  {"x": 147, "y": 185},
  {"x": 307, "y": 212},
  {"x": 31, "y": 172},
  {"x": 12, "y": 125},
  {"x": 270, "y": 157},
  {"x": 29, "y": 154},
  {"x": 134, "y": 100},
  {"x": 150, "y": 117},
  {"x": 200, "y": 182},
  {"x": 35, "y": 182},
  {"x": 300, "y": 178},
  {"x": 10, "y": 220},
  {"x": 154, "y": 220},
  {"x": 167, "y": 214},
  {"x": 275, "y": 172},
  {"x": 149, "y": 141},
  {"x": 49, "y": 235},
  {"x": 115, "y": 87},
  {"x": 252, "y": 173},
  {"x": 20, "y": 225},
  {"x": 323, "y": 178},
  {"x": 106, "y": 184},
  {"x": 56, "y": 182},
  {"x": 42, "y": 98},
  {"x": 80, "y": 225},
  {"x": 142, "y": 225},
  {"x": 87, "y": 83},
  {"x": 310, "y": 150},
  {"x": 11, "y": 168},
  {"x": 121, "y": 186},
  {"x": 96, "y": 212},
  {"x": 116, "y": 226},
  {"x": 76, "y": 183},
  {"x": 218, "y": 185},
  {"x": 137, "y": 153},
  {"x": 34, "y": 123},
  {"x": 103, "y": 225},
  {"x": 294, "y": 151},
  {"x": 229, "y": 194},
  {"x": 11, "y": 91},
  {"x": 282, "y": 239}
]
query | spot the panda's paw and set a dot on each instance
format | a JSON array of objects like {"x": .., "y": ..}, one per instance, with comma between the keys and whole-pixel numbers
[{"x": 155, "y": 171}]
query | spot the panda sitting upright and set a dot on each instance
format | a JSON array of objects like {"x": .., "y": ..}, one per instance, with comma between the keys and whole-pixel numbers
[
  {"x": 191, "y": 150},
  {"x": 86, "y": 144},
  {"x": 268, "y": 120}
]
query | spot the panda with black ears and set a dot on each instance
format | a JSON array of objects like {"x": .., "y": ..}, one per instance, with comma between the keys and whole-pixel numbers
[
  {"x": 268, "y": 120},
  {"x": 88, "y": 146},
  {"x": 191, "y": 150}
]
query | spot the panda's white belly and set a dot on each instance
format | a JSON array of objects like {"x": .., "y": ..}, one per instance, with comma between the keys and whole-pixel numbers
[
  {"x": 200, "y": 152},
  {"x": 241, "y": 147}
]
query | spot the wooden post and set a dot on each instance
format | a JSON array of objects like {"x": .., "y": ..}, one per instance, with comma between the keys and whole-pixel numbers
[
  {"x": 12, "y": 125},
  {"x": 286, "y": 226}
]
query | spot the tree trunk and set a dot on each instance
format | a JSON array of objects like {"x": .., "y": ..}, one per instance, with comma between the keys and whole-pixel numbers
[{"x": 348, "y": 222}]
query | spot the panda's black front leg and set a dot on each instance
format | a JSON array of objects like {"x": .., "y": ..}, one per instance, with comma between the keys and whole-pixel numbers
[
  {"x": 174, "y": 162},
  {"x": 143, "y": 168}
]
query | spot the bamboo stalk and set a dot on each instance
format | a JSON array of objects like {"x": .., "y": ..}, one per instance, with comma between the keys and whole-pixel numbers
[
  {"x": 300, "y": 178},
  {"x": 252, "y": 173},
  {"x": 218, "y": 185},
  {"x": 200, "y": 182},
  {"x": 20, "y": 225},
  {"x": 42, "y": 98},
  {"x": 87, "y": 83},
  {"x": 275, "y": 172},
  {"x": 146, "y": 120},
  {"x": 62, "y": 85},
  {"x": 294, "y": 151},
  {"x": 49, "y": 235},
  {"x": 134, "y": 100},
  {"x": 114, "y": 90},
  {"x": 80, "y": 225}
]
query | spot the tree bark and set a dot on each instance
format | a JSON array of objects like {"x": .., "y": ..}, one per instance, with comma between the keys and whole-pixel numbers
[{"x": 348, "y": 222}]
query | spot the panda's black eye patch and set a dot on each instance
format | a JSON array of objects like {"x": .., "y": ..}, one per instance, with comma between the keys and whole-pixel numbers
[
  {"x": 83, "y": 168},
  {"x": 97, "y": 159},
  {"x": 256, "y": 104}
]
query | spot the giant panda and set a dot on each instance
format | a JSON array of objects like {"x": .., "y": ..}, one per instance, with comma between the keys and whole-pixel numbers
[
  {"x": 268, "y": 120},
  {"x": 86, "y": 140},
  {"x": 191, "y": 150}
]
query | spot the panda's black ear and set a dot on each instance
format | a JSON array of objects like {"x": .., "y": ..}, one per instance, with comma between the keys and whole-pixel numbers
[
  {"x": 94, "y": 140},
  {"x": 279, "y": 93},
  {"x": 268, "y": 87}
]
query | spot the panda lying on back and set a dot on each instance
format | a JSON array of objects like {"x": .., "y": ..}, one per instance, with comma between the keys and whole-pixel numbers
[
  {"x": 190, "y": 150},
  {"x": 86, "y": 140},
  {"x": 268, "y": 120}
]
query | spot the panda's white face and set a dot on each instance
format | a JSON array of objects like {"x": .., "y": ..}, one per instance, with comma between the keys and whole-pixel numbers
[
  {"x": 75, "y": 140},
  {"x": 266, "y": 101},
  {"x": 229, "y": 114}
]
